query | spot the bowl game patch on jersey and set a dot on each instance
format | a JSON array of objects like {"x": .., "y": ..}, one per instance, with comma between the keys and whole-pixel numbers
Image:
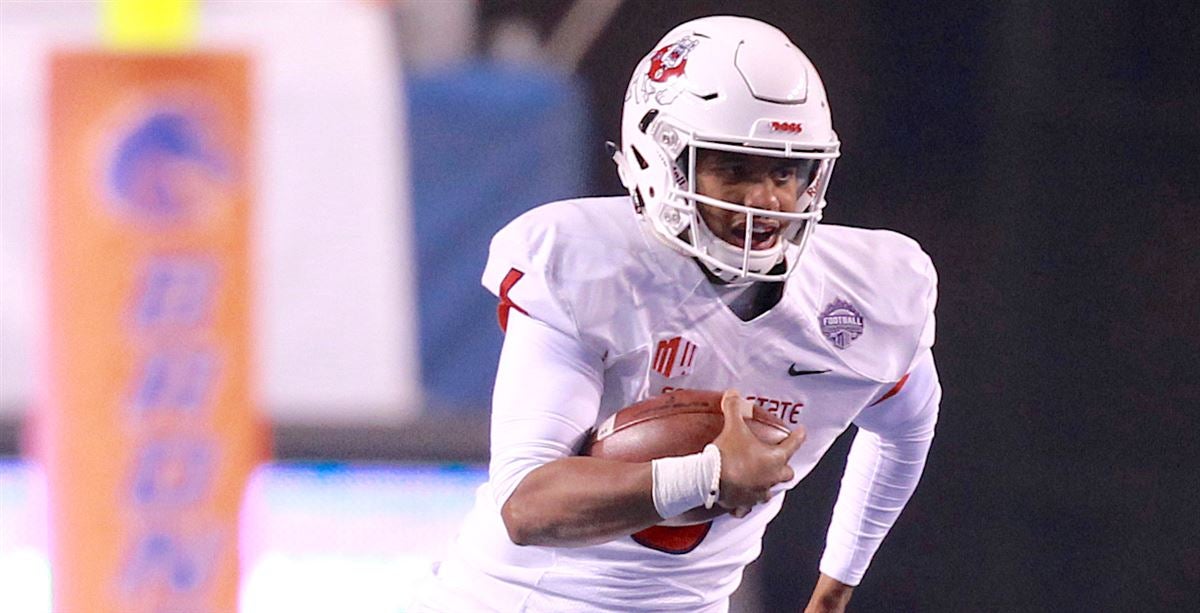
[{"x": 841, "y": 323}]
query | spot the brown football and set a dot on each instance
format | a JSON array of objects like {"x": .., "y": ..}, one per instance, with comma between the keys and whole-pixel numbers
[{"x": 677, "y": 423}]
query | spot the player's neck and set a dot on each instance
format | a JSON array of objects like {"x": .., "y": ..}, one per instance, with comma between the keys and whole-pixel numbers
[{"x": 749, "y": 300}]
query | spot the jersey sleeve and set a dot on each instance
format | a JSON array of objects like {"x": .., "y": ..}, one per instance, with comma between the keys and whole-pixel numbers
[
  {"x": 522, "y": 271},
  {"x": 885, "y": 463},
  {"x": 547, "y": 396},
  {"x": 550, "y": 378}
]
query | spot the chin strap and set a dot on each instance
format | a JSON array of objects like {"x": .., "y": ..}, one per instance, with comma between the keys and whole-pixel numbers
[
  {"x": 717, "y": 276},
  {"x": 724, "y": 277},
  {"x": 730, "y": 277}
]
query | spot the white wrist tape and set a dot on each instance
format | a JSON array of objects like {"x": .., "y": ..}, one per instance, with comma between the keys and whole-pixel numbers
[{"x": 686, "y": 482}]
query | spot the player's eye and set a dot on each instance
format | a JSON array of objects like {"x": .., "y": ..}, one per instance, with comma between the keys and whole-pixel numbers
[
  {"x": 733, "y": 171},
  {"x": 784, "y": 173}
]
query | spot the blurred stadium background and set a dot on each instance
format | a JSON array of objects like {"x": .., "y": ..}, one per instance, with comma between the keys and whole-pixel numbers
[{"x": 1045, "y": 155}]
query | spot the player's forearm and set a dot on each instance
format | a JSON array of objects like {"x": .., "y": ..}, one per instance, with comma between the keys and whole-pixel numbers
[
  {"x": 885, "y": 464},
  {"x": 880, "y": 477},
  {"x": 579, "y": 501}
]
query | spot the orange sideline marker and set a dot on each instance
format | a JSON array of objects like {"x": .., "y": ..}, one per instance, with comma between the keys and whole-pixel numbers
[{"x": 146, "y": 425}]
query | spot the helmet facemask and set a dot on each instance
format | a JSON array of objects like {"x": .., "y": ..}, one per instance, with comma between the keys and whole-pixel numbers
[{"x": 735, "y": 258}]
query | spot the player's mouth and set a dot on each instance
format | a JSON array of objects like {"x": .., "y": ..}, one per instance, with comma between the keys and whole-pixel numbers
[{"x": 762, "y": 236}]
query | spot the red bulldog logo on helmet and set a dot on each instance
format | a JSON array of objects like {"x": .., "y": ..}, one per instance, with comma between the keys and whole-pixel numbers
[{"x": 670, "y": 61}]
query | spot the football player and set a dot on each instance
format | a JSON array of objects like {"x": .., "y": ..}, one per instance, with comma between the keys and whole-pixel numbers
[{"x": 711, "y": 274}]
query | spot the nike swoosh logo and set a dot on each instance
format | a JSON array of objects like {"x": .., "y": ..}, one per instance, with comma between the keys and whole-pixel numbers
[{"x": 796, "y": 373}]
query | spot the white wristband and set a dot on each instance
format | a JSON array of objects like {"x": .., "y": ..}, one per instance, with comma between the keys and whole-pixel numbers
[
  {"x": 686, "y": 482},
  {"x": 712, "y": 455}
]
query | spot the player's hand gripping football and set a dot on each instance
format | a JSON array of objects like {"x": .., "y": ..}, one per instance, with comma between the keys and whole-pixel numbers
[{"x": 750, "y": 467}]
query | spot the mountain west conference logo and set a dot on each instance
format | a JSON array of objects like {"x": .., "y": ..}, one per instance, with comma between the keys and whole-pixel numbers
[
  {"x": 674, "y": 357},
  {"x": 164, "y": 166},
  {"x": 841, "y": 323}
]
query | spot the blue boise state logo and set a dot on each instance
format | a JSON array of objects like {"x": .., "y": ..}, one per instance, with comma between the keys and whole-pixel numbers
[
  {"x": 841, "y": 323},
  {"x": 165, "y": 167}
]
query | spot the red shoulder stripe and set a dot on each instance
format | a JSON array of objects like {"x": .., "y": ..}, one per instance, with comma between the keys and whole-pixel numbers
[
  {"x": 506, "y": 303},
  {"x": 892, "y": 392}
]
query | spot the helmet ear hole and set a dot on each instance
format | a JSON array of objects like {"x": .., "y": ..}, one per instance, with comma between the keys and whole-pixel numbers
[
  {"x": 651, "y": 192},
  {"x": 646, "y": 119},
  {"x": 637, "y": 155}
]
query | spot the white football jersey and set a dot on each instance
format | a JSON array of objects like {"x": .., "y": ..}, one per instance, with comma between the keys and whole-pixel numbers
[{"x": 853, "y": 319}]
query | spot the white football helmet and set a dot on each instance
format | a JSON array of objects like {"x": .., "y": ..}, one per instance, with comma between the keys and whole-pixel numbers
[{"x": 725, "y": 84}]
